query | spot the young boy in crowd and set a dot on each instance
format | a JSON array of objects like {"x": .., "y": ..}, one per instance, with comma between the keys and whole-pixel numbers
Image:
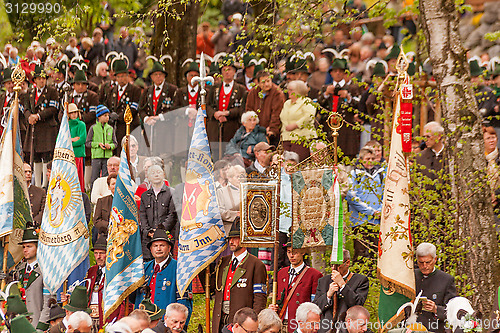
[{"x": 102, "y": 141}]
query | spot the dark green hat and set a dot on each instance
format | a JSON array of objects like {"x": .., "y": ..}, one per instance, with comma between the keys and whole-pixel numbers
[
  {"x": 41, "y": 326},
  {"x": 119, "y": 66},
  {"x": 100, "y": 244},
  {"x": 475, "y": 69},
  {"x": 339, "y": 63},
  {"x": 258, "y": 68},
  {"x": 214, "y": 69},
  {"x": 80, "y": 77},
  {"x": 290, "y": 64},
  {"x": 394, "y": 53},
  {"x": 55, "y": 311},
  {"x": 29, "y": 236},
  {"x": 162, "y": 235},
  {"x": 20, "y": 324},
  {"x": 153, "y": 311},
  {"x": 16, "y": 305},
  {"x": 379, "y": 70},
  {"x": 247, "y": 60},
  {"x": 227, "y": 61},
  {"x": 235, "y": 229},
  {"x": 39, "y": 72},
  {"x": 7, "y": 74},
  {"x": 193, "y": 67},
  {"x": 158, "y": 67},
  {"x": 78, "y": 300},
  {"x": 62, "y": 66},
  {"x": 301, "y": 65}
]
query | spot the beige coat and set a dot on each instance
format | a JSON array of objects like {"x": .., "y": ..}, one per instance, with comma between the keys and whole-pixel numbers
[
  {"x": 302, "y": 112},
  {"x": 229, "y": 200}
]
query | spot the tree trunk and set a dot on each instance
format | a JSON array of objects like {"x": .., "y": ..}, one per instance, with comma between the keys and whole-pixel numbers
[
  {"x": 466, "y": 163},
  {"x": 176, "y": 35}
]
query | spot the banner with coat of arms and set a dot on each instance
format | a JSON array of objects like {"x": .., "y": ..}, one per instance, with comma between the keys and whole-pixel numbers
[
  {"x": 64, "y": 238},
  {"x": 316, "y": 209},
  {"x": 201, "y": 236}
]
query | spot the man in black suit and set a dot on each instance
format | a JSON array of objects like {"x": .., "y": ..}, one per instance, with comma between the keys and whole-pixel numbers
[
  {"x": 37, "y": 197},
  {"x": 436, "y": 285},
  {"x": 175, "y": 319},
  {"x": 342, "y": 287},
  {"x": 432, "y": 157}
]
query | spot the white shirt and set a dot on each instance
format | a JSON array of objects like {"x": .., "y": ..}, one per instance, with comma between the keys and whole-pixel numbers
[
  {"x": 95, "y": 295},
  {"x": 259, "y": 167},
  {"x": 31, "y": 267},
  {"x": 248, "y": 82},
  {"x": 438, "y": 152},
  {"x": 227, "y": 89},
  {"x": 240, "y": 257},
  {"x": 77, "y": 97},
  {"x": 161, "y": 263},
  {"x": 158, "y": 89},
  {"x": 121, "y": 90},
  {"x": 297, "y": 271}
]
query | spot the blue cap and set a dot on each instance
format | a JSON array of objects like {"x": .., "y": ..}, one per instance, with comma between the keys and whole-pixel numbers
[{"x": 101, "y": 109}]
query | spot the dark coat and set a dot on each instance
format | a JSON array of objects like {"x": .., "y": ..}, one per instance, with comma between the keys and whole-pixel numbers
[
  {"x": 181, "y": 98},
  {"x": 46, "y": 129},
  {"x": 267, "y": 107},
  {"x": 240, "y": 141},
  {"x": 37, "y": 202},
  {"x": 165, "y": 101},
  {"x": 438, "y": 287},
  {"x": 251, "y": 272},
  {"x": 349, "y": 137},
  {"x": 101, "y": 215},
  {"x": 432, "y": 164},
  {"x": 354, "y": 293},
  {"x": 161, "y": 328},
  {"x": 304, "y": 291},
  {"x": 183, "y": 126},
  {"x": 91, "y": 276},
  {"x": 131, "y": 97},
  {"x": 156, "y": 210},
  {"x": 236, "y": 107}
]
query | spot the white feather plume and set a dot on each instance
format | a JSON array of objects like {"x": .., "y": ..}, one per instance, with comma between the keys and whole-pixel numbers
[
  {"x": 218, "y": 56},
  {"x": 3, "y": 61},
  {"x": 494, "y": 62},
  {"x": 475, "y": 58},
  {"x": 453, "y": 306},
  {"x": 120, "y": 56},
  {"x": 152, "y": 57},
  {"x": 412, "y": 319},
  {"x": 112, "y": 53},
  {"x": 166, "y": 56}
]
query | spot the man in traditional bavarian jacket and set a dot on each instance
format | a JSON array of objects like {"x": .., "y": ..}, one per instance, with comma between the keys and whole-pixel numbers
[
  {"x": 240, "y": 281},
  {"x": 160, "y": 275},
  {"x": 156, "y": 100},
  {"x": 297, "y": 284},
  {"x": 225, "y": 105},
  {"x": 95, "y": 288},
  {"x": 40, "y": 106},
  {"x": 29, "y": 274},
  {"x": 122, "y": 94}
]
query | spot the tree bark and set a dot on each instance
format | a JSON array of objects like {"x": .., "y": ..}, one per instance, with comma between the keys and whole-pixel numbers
[
  {"x": 466, "y": 163},
  {"x": 175, "y": 34}
]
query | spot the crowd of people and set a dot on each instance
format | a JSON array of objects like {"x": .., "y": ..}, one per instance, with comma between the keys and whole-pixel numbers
[{"x": 250, "y": 111}]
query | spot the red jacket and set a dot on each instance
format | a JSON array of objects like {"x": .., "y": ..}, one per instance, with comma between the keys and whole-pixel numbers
[{"x": 303, "y": 293}]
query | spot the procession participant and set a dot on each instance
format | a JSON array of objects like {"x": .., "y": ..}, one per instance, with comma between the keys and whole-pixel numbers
[
  {"x": 158, "y": 98},
  {"x": 356, "y": 320},
  {"x": 79, "y": 322},
  {"x": 78, "y": 301},
  {"x": 308, "y": 318},
  {"x": 121, "y": 95},
  {"x": 152, "y": 310},
  {"x": 297, "y": 284},
  {"x": 160, "y": 275},
  {"x": 106, "y": 87},
  {"x": 342, "y": 96},
  {"x": 246, "y": 76},
  {"x": 225, "y": 105},
  {"x": 37, "y": 197},
  {"x": 100, "y": 186},
  {"x": 40, "y": 106},
  {"x": 240, "y": 281},
  {"x": 95, "y": 288},
  {"x": 29, "y": 274},
  {"x": 86, "y": 100},
  {"x": 142, "y": 316},
  {"x": 244, "y": 320},
  {"x": 175, "y": 320},
  {"x": 103, "y": 211},
  {"x": 437, "y": 286},
  {"x": 339, "y": 291}
]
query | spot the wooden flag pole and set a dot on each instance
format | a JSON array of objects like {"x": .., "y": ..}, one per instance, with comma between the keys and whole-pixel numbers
[{"x": 5, "y": 255}]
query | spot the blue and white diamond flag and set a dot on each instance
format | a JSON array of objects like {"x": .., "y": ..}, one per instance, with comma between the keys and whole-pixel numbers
[
  {"x": 64, "y": 238},
  {"x": 201, "y": 237},
  {"x": 124, "y": 265}
]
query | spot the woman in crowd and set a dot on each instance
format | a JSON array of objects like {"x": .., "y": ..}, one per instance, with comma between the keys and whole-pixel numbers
[
  {"x": 269, "y": 321},
  {"x": 246, "y": 137},
  {"x": 297, "y": 119}
]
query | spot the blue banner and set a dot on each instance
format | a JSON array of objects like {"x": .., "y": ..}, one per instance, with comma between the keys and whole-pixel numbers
[{"x": 124, "y": 265}]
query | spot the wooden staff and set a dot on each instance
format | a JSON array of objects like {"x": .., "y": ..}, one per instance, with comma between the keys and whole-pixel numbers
[
  {"x": 5, "y": 255},
  {"x": 65, "y": 291},
  {"x": 220, "y": 140},
  {"x": 207, "y": 299}
]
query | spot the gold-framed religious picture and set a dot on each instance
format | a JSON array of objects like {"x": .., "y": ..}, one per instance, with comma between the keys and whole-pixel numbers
[{"x": 258, "y": 214}]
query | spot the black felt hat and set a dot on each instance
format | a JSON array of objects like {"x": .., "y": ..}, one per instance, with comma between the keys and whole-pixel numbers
[{"x": 235, "y": 229}]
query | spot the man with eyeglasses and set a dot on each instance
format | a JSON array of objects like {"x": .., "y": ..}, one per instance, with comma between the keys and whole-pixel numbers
[
  {"x": 432, "y": 157},
  {"x": 338, "y": 292},
  {"x": 244, "y": 321},
  {"x": 263, "y": 155}
]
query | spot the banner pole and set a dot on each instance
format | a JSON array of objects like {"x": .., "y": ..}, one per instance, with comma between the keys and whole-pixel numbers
[
  {"x": 207, "y": 300},
  {"x": 5, "y": 255}
]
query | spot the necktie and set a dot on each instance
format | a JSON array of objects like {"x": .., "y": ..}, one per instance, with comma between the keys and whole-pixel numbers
[
  {"x": 38, "y": 93},
  {"x": 292, "y": 273},
  {"x": 234, "y": 264},
  {"x": 226, "y": 85},
  {"x": 193, "y": 91},
  {"x": 28, "y": 269},
  {"x": 157, "y": 88},
  {"x": 98, "y": 276}
]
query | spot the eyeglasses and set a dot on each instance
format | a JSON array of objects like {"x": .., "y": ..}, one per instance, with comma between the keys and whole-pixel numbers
[{"x": 247, "y": 330}]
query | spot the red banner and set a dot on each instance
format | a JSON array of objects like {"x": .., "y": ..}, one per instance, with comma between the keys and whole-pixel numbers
[{"x": 406, "y": 125}]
